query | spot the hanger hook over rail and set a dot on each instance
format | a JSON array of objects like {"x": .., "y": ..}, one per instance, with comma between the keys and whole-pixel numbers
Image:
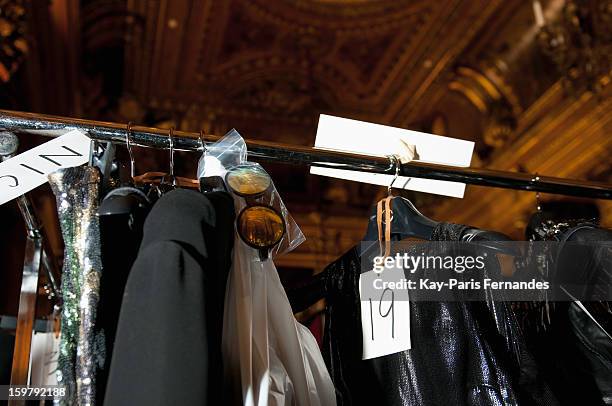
[
  {"x": 171, "y": 144},
  {"x": 536, "y": 179},
  {"x": 394, "y": 162},
  {"x": 129, "y": 148},
  {"x": 202, "y": 145}
]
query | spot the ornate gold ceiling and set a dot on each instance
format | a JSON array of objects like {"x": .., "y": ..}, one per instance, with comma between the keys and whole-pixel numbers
[
  {"x": 290, "y": 60},
  {"x": 466, "y": 69}
]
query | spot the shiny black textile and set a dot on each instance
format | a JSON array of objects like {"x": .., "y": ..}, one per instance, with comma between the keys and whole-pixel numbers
[
  {"x": 463, "y": 353},
  {"x": 571, "y": 350}
]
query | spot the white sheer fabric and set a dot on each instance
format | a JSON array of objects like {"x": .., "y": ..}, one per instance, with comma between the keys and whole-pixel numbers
[{"x": 269, "y": 357}]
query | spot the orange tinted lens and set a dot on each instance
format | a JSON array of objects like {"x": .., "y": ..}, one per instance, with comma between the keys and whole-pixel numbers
[
  {"x": 248, "y": 181},
  {"x": 260, "y": 226}
]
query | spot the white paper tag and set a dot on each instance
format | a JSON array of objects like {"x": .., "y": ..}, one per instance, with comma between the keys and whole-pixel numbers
[
  {"x": 342, "y": 134},
  {"x": 385, "y": 314},
  {"x": 28, "y": 170}
]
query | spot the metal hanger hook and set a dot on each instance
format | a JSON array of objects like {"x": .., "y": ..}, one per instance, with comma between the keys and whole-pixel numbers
[
  {"x": 393, "y": 162},
  {"x": 202, "y": 145},
  {"x": 129, "y": 147},
  {"x": 536, "y": 179},
  {"x": 171, "y": 142}
]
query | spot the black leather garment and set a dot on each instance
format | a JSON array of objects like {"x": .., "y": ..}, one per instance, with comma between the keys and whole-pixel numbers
[
  {"x": 463, "y": 353},
  {"x": 570, "y": 348},
  {"x": 168, "y": 343}
]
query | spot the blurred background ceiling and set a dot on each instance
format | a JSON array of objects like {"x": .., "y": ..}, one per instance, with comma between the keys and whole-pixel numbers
[{"x": 529, "y": 83}]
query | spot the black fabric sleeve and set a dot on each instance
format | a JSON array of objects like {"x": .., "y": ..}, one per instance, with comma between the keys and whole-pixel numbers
[{"x": 161, "y": 350}]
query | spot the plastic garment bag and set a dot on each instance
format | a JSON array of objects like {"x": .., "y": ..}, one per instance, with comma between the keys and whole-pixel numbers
[
  {"x": 229, "y": 153},
  {"x": 269, "y": 358}
]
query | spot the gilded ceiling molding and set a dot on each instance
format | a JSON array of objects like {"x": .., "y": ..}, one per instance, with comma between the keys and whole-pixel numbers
[
  {"x": 579, "y": 42},
  {"x": 251, "y": 65},
  {"x": 356, "y": 64},
  {"x": 216, "y": 118},
  {"x": 344, "y": 17},
  {"x": 484, "y": 94},
  {"x": 289, "y": 87},
  {"x": 504, "y": 88},
  {"x": 450, "y": 32},
  {"x": 104, "y": 23},
  {"x": 139, "y": 51}
]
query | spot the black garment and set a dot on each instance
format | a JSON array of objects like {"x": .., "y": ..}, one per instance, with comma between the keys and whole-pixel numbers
[
  {"x": 570, "y": 349},
  {"x": 168, "y": 342},
  {"x": 463, "y": 353},
  {"x": 7, "y": 346},
  {"x": 120, "y": 237}
]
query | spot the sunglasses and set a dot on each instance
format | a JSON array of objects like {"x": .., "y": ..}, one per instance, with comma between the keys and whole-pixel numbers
[{"x": 259, "y": 225}]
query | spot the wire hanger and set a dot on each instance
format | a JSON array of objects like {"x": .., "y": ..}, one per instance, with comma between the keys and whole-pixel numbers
[
  {"x": 535, "y": 179},
  {"x": 129, "y": 148},
  {"x": 164, "y": 182},
  {"x": 171, "y": 143},
  {"x": 168, "y": 181},
  {"x": 202, "y": 144},
  {"x": 393, "y": 162},
  {"x": 126, "y": 199},
  {"x": 406, "y": 220}
]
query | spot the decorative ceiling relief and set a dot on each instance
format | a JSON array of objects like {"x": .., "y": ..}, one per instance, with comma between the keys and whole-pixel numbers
[
  {"x": 278, "y": 59},
  {"x": 579, "y": 42},
  {"x": 288, "y": 95},
  {"x": 341, "y": 16},
  {"x": 365, "y": 54},
  {"x": 498, "y": 112},
  {"x": 246, "y": 35},
  {"x": 464, "y": 69},
  {"x": 350, "y": 52}
]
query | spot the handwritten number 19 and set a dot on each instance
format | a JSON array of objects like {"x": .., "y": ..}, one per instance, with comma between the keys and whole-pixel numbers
[{"x": 390, "y": 310}]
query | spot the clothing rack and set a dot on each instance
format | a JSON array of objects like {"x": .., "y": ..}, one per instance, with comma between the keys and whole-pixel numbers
[{"x": 54, "y": 126}]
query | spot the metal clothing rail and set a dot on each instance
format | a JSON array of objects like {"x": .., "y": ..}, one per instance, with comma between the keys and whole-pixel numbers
[{"x": 189, "y": 141}]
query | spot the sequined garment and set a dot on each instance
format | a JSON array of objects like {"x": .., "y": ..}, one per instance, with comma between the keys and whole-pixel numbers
[{"x": 76, "y": 192}]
